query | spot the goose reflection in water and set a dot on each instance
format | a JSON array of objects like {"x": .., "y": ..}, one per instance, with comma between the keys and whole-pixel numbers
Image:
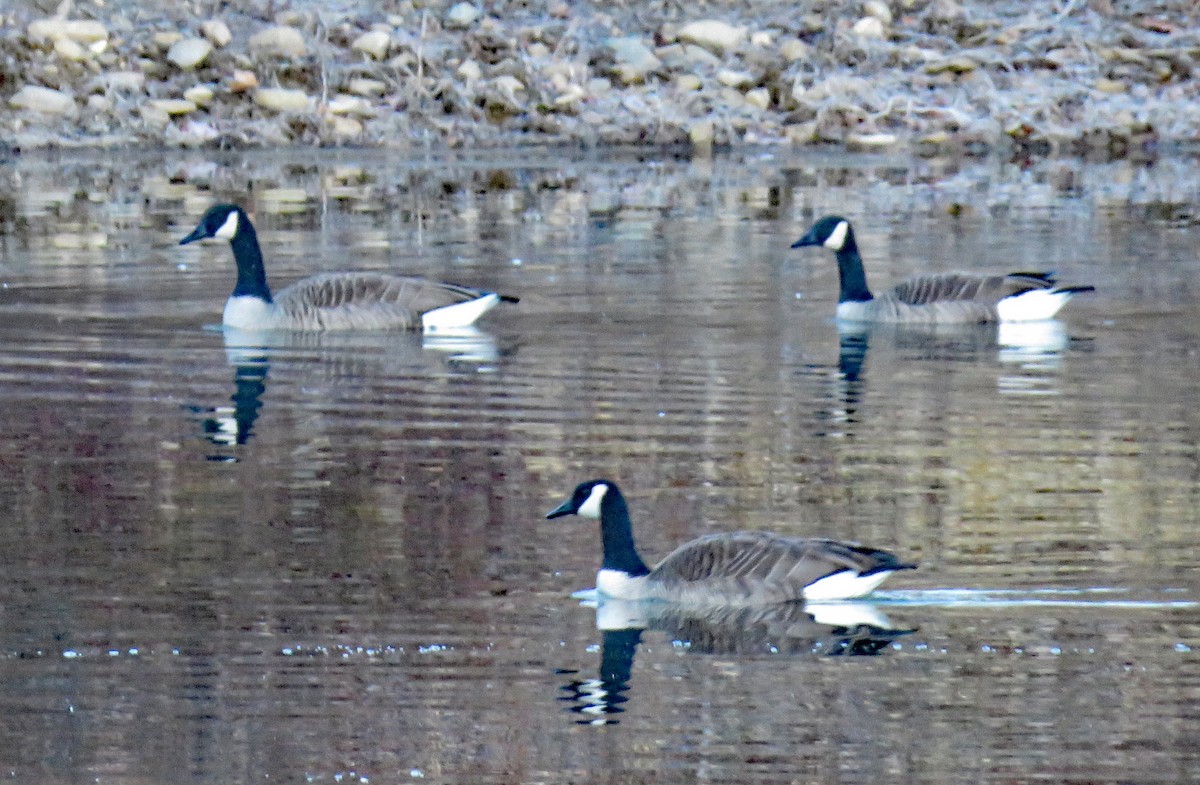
[
  {"x": 249, "y": 353},
  {"x": 835, "y": 629},
  {"x": 1029, "y": 352}
]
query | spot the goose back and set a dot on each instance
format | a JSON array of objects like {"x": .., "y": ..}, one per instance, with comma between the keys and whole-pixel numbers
[
  {"x": 757, "y": 567},
  {"x": 950, "y": 297},
  {"x": 332, "y": 301}
]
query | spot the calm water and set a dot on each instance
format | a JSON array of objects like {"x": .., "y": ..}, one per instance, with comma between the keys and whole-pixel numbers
[{"x": 325, "y": 560}]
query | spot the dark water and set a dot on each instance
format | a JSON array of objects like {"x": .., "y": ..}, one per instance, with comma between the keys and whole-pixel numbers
[{"x": 325, "y": 559}]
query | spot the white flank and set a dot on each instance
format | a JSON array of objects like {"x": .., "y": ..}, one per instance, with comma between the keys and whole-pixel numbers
[
  {"x": 620, "y": 585},
  {"x": 844, "y": 585},
  {"x": 591, "y": 507},
  {"x": 229, "y": 228},
  {"x": 853, "y": 311},
  {"x": 1031, "y": 306},
  {"x": 837, "y": 238},
  {"x": 247, "y": 312},
  {"x": 459, "y": 315}
]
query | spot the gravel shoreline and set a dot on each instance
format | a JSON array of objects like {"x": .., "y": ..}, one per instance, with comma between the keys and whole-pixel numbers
[{"x": 1094, "y": 77}]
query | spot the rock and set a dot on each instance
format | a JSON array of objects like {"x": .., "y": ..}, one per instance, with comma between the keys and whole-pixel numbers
[
  {"x": 99, "y": 104},
  {"x": 124, "y": 81},
  {"x": 188, "y": 53},
  {"x": 281, "y": 99},
  {"x": 761, "y": 39},
  {"x": 346, "y": 127},
  {"x": 200, "y": 95},
  {"x": 634, "y": 60},
  {"x": 68, "y": 49},
  {"x": 731, "y": 78},
  {"x": 83, "y": 31},
  {"x": 469, "y": 71},
  {"x": 713, "y": 34},
  {"x": 868, "y": 27},
  {"x": 217, "y": 32},
  {"x": 461, "y": 16},
  {"x": 870, "y": 141},
  {"x": 153, "y": 116},
  {"x": 366, "y": 87},
  {"x": 173, "y": 106},
  {"x": 242, "y": 81},
  {"x": 1110, "y": 86},
  {"x": 571, "y": 95},
  {"x": 280, "y": 40},
  {"x": 43, "y": 100},
  {"x": 877, "y": 9},
  {"x": 349, "y": 105},
  {"x": 166, "y": 39},
  {"x": 701, "y": 134},
  {"x": 374, "y": 43},
  {"x": 759, "y": 97},
  {"x": 794, "y": 50},
  {"x": 959, "y": 64},
  {"x": 688, "y": 82}
]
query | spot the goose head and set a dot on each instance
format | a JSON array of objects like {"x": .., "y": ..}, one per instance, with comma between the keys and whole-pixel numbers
[
  {"x": 223, "y": 221},
  {"x": 601, "y": 500},
  {"x": 831, "y": 232},
  {"x": 586, "y": 501}
]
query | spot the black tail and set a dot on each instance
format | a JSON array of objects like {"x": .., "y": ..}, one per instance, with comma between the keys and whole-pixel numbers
[{"x": 1074, "y": 289}]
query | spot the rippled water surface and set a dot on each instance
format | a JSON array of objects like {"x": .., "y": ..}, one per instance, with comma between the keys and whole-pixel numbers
[{"x": 325, "y": 559}]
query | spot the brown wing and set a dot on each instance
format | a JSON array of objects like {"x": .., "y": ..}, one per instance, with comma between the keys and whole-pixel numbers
[
  {"x": 367, "y": 300},
  {"x": 957, "y": 287},
  {"x": 757, "y": 566}
]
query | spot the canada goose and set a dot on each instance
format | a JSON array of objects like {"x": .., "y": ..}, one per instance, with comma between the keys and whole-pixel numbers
[
  {"x": 334, "y": 301},
  {"x": 740, "y": 568},
  {"x": 930, "y": 299}
]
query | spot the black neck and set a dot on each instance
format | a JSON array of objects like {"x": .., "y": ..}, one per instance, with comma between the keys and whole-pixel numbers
[
  {"x": 252, "y": 277},
  {"x": 851, "y": 273},
  {"x": 616, "y": 532}
]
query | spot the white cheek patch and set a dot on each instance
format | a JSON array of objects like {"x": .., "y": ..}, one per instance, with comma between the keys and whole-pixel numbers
[
  {"x": 591, "y": 507},
  {"x": 837, "y": 238},
  {"x": 229, "y": 228}
]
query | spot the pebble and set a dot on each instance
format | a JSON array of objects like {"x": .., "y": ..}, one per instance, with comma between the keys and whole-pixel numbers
[
  {"x": 242, "y": 81},
  {"x": 366, "y": 87},
  {"x": 731, "y": 78},
  {"x": 877, "y": 9},
  {"x": 200, "y": 95},
  {"x": 280, "y": 40},
  {"x": 281, "y": 99},
  {"x": 84, "y": 31},
  {"x": 794, "y": 50},
  {"x": 173, "y": 106},
  {"x": 461, "y": 16},
  {"x": 760, "y": 97},
  {"x": 374, "y": 43},
  {"x": 634, "y": 60},
  {"x": 125, "y": 81},
  {"x": 69, "y": 49},
  {"x": 44, "y": 100},
  {"x": 217, "y": 32},
  {"x": 348, "y": 105},
  {"x": 469, "y": 71},
  {"x": 609, "y": 76},
  {"x": 188, "y": 53},
  {"x": 868, "y": 27},
  {"x": 713, "y": 34}
]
